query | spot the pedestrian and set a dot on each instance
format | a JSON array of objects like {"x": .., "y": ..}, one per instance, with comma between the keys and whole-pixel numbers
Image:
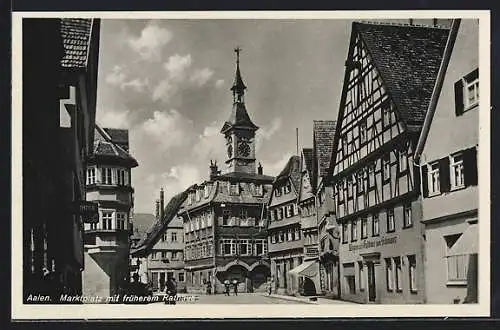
[
  {"x": 171, "y": 291},
  {"x": 226, "y": 286},
  {"x": 209, "y": 287},
  {"x": 270, "y": 285},
  {"x": 235, "y": 287}
]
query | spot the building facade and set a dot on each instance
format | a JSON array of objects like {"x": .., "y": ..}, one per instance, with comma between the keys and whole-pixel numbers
[
  {"x": 386, "y": 93},
  {"x": 447, "y": 154},
  {"x": 108, "y": 183},
  {"x": 284, "y": 231},
  {"x": 159, "y": 255},
  {"x": 225, "y": 217},
  {"x": 60, "y": 58}
]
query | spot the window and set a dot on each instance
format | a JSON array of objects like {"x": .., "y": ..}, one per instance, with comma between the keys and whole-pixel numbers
[
  {"x": 371, "y": 176},
  {"x": 362, "y": 131},
  {"x": 206, "y": 191},
  {"x": 91, "y": 171},
  {"x": 345, "y": 233},
  {"x": 349, "y": 187},
  {"x": 407, "y": 220},
  {"x": 277, "y": 191},
  {"x": 259, "y": 246},
  {"x": 121, "y": 176},
  {"x": 386, "y": 112},
  {"x": 259, "y": 189},
  {"x": 399, "y": 275},
  {"x": 354, "y": 230},
  {"x": 289, "y": 234},
  {"x": 350, "y": 278},
  {"x": 181, "y": 277},
  {"x": 361, "y": 278},
  {"x": 388, "y": 272},
  {"x": 412, "y": 272},
  {"x": 457, "y": 171},
  {"x": 434, "y": 179},
  {"x": 164, "y": 255},
  {"x": 390, "y": 220},
  {"x": 467, "y": 92},
  {"x": 297, "y": 233},
  {"x": 360, "y": 181},
  {"x": 403, "y": 161},
  {"x": 387, "y": 167},
  {"x": 281, "y": 236},
  {"x": 457, "y": 265},
  {"x": 344, "y": 144},
  {"x": 364, "y": 227},
  {"x": 340, "y": 192},
  {"x": 174, "y": 237},
  {"x": 245, "y": 248},
  {"x": 375, "y": 225},
  {"x": 228, "y": 247},
  {"x": 288, "y": 188},
  {"x": 472, "y": 93},
  {"x": 121, "y": 219},
  {"x": 280, "y": 213},
  {"x": 106, "y": 175},
  {"x": 234, "y": 189},
  {"x": 107, "y": 220},
  {"x": 226, "y": 214}
]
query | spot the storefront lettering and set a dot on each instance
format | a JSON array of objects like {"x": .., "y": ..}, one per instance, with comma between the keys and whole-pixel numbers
[{"x": 372, "y": 244}]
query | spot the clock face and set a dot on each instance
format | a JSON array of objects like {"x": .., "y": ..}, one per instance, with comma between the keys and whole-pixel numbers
[
  {"x": 244, "y": 149},
  {"x": 230, "y": 151}
]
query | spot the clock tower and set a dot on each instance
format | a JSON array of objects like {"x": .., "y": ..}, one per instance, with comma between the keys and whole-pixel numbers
[{"x": 239, "y": 130}]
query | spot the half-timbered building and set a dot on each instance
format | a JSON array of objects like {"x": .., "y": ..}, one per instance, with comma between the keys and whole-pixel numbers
[
  {"x": 389, "y": 77},
  {"x": 447, "y": 152}
]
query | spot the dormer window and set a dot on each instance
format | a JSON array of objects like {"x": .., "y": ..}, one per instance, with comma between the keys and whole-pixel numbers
[{"x": 288, "y": 188}]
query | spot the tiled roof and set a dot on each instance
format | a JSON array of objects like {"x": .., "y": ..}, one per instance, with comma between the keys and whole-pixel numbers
[
  {"x": 141, "y": 223},
  {"x": 104, "y": 146},
  {"x": 75, "y": 33},
  {"x": 292, "y": 171},
  {"x": 324, "y": 132},
  {"x": 117, "y": 135},
  {"x": 239, "y": 118},
  {"x": 308, "y": 158},
  {"x": 408, "y": 59},
  {"x": 156, "y": 229}
]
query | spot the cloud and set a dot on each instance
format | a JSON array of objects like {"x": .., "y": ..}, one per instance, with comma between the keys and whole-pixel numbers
[
  {"x": 120, "y": 78},
  {"x": 265, "y": 133},
  {"x": 177, "y": 65},
  {"x": 219, "y": 83},
  {"x": 210, "y": 144},
  {"x": 113, "y": 118},
  {"x": 148, "y": 45},
  {"x": 168, "y": 129},
  {"x": 202, "y": 76}
]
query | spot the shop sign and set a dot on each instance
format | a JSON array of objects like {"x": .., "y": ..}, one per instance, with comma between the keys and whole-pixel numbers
[{"x": 372, "y": 244}]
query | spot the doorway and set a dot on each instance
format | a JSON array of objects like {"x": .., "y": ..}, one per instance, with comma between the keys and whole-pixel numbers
[{"x": 371, "y": 282}]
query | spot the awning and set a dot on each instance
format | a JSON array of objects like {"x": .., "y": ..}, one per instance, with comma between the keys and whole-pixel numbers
[
  {"x": 307, "y": 269},
  {"x": 467, "y": 243}
]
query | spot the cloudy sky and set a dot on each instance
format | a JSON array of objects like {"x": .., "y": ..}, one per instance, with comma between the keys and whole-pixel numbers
[{"x": 168, "y": 81}]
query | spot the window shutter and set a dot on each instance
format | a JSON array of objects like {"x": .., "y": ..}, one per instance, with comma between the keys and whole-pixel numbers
[
  {"x": 425, "y": 179},
  {"x": 470, "y": 167},
  {"x": 444, "y": 174},
  {"x": 459, "y": 97}
]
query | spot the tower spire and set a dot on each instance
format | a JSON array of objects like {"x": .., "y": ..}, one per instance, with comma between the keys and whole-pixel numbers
[{"x": 238, "y": 87}]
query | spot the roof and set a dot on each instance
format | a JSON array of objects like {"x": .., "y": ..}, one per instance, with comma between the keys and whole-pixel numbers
[
  {"x": 154, "y": 232},
  {"x": 308, "y": 158},
  {"x": 324, "y": 132},
  {"x": 244, "y": 175},
  {"x": 407, "y": 58},
  {"x": 239, "y": 118},
  {"x": 105, "y": 146},
  {"x": 292, "y": 171},
  {"x": 75, "y": 34},
  {"x": 117, "y": 135}
]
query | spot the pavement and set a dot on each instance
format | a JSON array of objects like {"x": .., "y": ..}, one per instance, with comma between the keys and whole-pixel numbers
[{"x": 252, "y": 298}]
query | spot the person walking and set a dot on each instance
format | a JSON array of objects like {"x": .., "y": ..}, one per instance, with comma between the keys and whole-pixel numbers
[
  {"x": 235, "y": 287},
  {"x": 226, "y": 286}
]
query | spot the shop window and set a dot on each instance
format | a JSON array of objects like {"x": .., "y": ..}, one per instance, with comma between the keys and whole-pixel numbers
[
  {"x": 412, "y": 272},
  {"x": 388, "y": 274},
  {"x": 399, "y": 275}
]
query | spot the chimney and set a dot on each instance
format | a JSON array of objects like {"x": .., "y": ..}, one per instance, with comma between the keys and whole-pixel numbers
[
  {"x": 213, "y": 169},
  {"x": 259, "y": 169},
  {"x": 157, "y": 214},
  {"x": 162, "y": 202}
]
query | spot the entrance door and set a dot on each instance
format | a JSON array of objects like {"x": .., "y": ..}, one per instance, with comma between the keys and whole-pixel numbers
[{"x": 371, "y": 281}]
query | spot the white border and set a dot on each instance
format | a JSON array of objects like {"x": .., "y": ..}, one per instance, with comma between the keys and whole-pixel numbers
[{"x": 160, "y": 311}]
